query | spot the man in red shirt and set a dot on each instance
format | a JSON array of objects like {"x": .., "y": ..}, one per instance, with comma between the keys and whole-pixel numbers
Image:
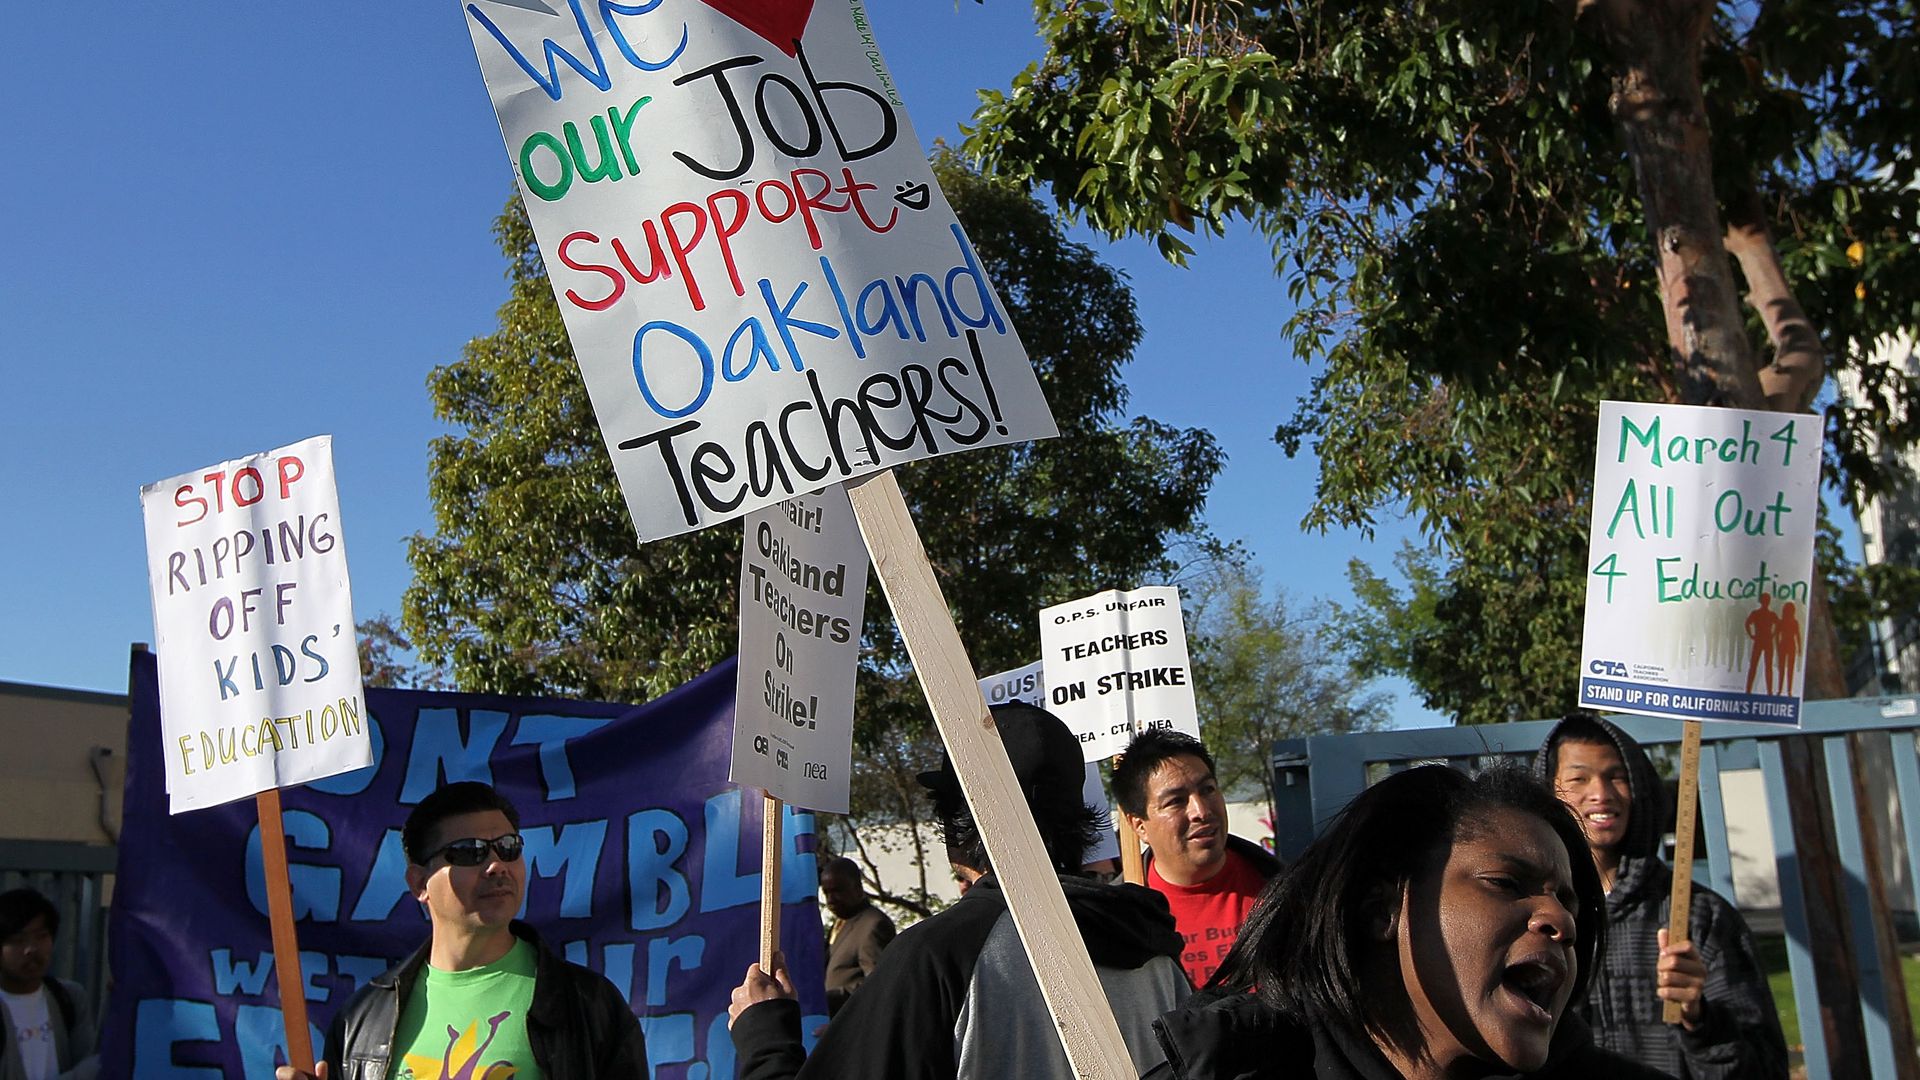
[{"x": 1170, "y": 799}]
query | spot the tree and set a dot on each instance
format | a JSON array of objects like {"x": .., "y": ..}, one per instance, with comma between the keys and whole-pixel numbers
[
  {"x": 385, "y": 658},
  {"x": 534, "y": 582},
  {"x": 1476, "y": 260},
  {"x": 1265, "y": 670}
]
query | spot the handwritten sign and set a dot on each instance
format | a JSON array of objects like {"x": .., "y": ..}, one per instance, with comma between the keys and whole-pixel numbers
[
  {"x": 803, "y": 590},
  {"x": 762, "y": 281},
  {"x": 253, "y": 621},
  {"x": 1116, "y": 664},
  {"x": 1701, "y": 562}
]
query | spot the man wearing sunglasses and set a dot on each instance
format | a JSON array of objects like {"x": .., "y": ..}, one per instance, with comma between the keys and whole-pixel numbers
[{"x": 482, "y": 990}]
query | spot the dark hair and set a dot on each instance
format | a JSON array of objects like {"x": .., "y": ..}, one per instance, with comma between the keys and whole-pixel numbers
[
  {"x": 1067, "y": 825},
  {"x": 844, "y": 867},
  {"x": 1301, "y": 947},
  {"x": 18, "y": 907},
  {"x": 464, "y": 797},
  {"x": 1143, "y": 755},
  {"x": 1579, "y": 727}
]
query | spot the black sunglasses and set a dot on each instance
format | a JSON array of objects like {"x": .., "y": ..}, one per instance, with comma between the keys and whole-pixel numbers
[{"x": 472, "y": 851}]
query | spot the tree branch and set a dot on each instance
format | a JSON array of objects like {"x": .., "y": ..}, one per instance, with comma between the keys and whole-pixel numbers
[{"x": 1800, "y": 360}]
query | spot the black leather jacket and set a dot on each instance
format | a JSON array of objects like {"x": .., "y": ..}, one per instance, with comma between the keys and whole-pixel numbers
[{"x": 579, "y": 1026}]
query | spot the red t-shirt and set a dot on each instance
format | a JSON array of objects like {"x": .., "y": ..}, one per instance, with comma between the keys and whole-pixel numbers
[{"x": 1208, "y": 915}]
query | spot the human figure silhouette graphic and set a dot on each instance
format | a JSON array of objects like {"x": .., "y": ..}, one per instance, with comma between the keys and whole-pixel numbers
[
  {"x": 1761, "y": 628},
  {"x": 1786, "y": 645}
]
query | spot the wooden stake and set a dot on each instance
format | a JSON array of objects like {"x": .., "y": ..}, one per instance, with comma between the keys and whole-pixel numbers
[
  {"x": 1685, "y": 823},
  {"x": 286, "y": 942},
  {"x": 1133, "y": 868},
  {"x": 1088, "y": 1032},
  {"x": 770, "y": 853}
]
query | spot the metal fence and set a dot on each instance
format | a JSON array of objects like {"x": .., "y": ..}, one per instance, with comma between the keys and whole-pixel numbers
[
  {"x": 76, "y": 877},
  {"x": 1314, "y": 777}
]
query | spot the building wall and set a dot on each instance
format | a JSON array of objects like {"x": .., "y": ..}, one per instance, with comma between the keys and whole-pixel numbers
[{"x": 68, "y": 749}]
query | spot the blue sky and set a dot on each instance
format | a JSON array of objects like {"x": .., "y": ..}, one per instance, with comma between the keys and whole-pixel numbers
[{"x": 234, "y": 227}]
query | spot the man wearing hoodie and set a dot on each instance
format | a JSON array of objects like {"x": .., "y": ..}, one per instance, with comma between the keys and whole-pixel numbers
[
  {"x": 1729, "y": 1027},
  {"x": 954, "y": 997}
]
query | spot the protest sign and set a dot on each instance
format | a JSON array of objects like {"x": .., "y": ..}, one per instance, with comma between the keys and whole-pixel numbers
[
  {"x": 1028, "y": 685},
  {"x": 639, "y": 864},
  {"x": 762, "y": 281},
  {"x": 252, "y": 611},
  {"x": 803, "y": 589},
  {"x": 1116, "y": 665},
  {"x": 1701, "y": 562}
]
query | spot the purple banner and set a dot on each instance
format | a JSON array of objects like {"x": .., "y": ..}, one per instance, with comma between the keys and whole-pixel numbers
[{"x": 642, "y": 864}]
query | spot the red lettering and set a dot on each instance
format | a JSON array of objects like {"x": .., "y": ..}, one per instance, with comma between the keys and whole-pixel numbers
[
  {"x": 219, "y": 495},
  {"x": 259, "y": 487},
  {"x": 760, "y": 200},
  {"x": 183, "y": 497},
  {"x": 814, "y": 200},
  {"x": 619, "y": 283},
  {"x": 852, "y": 188},
  {"x": 681, "y": 249},
  {"x": 659, "y": 269},
  {"x": 291, "y": 469},
  {"x": 723, "y": 230}
]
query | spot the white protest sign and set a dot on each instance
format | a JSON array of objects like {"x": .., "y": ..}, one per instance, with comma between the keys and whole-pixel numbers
[
  {"x": 1701, "y": 562},
  {"x": 763, "y": 283},
  {"x": 1116, "y": 665},
  {"x": 803, "y": 590},
  {"x": 1028, "y": 684},
  {"x": 253, "y": 626}
]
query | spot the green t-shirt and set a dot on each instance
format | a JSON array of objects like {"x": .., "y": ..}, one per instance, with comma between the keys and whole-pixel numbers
[{"x": 468, "y": 1025}]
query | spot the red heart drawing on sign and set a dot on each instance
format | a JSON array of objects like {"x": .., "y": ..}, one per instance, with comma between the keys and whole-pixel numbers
[{"x": 779, "y": 21}]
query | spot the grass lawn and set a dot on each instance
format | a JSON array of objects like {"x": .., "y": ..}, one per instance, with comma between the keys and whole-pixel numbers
[{"x": 1773, "y": 956}]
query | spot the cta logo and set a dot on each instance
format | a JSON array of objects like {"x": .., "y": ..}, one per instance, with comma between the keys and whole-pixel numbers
[
  {"x": 1607, "y": 667},
  {"x": 780, "y": 758},
  {"x": 760, "y": 745}
]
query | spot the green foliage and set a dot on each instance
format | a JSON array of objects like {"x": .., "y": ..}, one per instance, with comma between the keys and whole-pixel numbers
[
  {"x": 1266, "y": 669},
  {"x": 533, "y": 581},
  {"x": 1454, "y": 217}
]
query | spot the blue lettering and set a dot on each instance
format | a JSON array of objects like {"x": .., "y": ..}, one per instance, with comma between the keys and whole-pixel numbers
[
  {"x": 243, "y": 977},
  {"x": 784, "y": 321},
  {"x": 657, "y": 894},
  {"x": 970, "y": 267},
  {"x": 572, "y": 851},
  {"x": 261, "y": 1032},
  {"x": 316, "y": 889},
  {"x": 360, "y": 970},
  {"x": 357, "y": 781},
  {"x": 662, "y": 954},
  {"x": 159, "y": 1024},
  {"x": 386, "y": 882},
  {"x": 607, "y": 11},
  {"x": 551, "y": 84},
  {"x": 669, "y": 1040},
  {"x": 550, "y": 734},
  {"x": 314, "y": 965},
  {"x": 699, "y": 349},
  {"x": 437, "y": 746}
]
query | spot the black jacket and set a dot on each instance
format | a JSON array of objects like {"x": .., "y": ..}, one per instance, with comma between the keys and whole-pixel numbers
[
  {"x": 955, "y": 996},
  {"x": 578, "y": 1026},
  {"x": 1739, "y": 1035},
  {"x": 1230, "y": 1035}
]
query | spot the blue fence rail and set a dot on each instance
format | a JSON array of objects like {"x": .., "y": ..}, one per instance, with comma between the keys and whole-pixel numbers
[{"x": 1314, "y": 777}]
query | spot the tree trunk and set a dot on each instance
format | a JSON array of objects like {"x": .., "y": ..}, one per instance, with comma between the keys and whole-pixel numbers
[
  {"x": 1662, "y": 116},
  {"x": 1799, "y": 359}
]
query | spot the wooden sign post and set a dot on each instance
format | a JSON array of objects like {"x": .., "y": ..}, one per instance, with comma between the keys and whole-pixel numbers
[
  {"x": 1685, "y": 823},
  {"x": 1067, "y": 980},
  {"x": 1133, "y": 868},
  {"x": 286, "y": 944},
  {"x": 770, "y": 851}
]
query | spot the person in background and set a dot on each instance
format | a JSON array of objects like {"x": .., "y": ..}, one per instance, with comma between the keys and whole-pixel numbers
[
  {"x": 1729, "y": 1026},
  {"x": 48, "y": 1031},
  {"x": 859, "y": 932},
  {"x": 955, "y": 995},
  {"x": 1443, "y": 927},
  {"x": 482, "y": 985},
  {"x": 1172, "y": 803}
]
